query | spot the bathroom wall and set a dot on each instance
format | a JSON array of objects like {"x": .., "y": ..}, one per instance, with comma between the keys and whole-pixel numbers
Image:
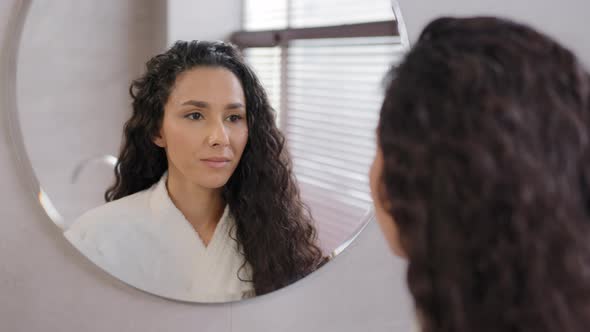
[
  {"x": 206, "y": 20},
  {"x": 46, "y": 286},
  {"x": 566, "y": 20}
]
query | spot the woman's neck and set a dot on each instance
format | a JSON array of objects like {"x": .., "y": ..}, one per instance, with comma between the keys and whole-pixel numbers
[{"x": 202, "y": 207}]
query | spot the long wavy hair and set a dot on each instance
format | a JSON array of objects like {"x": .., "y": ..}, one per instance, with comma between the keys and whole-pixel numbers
[
  {"x": 485, "y": 134},
  {"x": 275, "y": 231}
]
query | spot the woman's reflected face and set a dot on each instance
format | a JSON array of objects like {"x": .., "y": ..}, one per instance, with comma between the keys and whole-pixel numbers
[{"x": 204, "y": 129}]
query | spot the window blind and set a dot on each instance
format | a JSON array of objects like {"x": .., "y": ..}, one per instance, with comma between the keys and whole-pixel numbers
[
  {"x": 334, "y": 94},
  {"x": 329, "y": 93},
  {"x": 266, "y": 62}
]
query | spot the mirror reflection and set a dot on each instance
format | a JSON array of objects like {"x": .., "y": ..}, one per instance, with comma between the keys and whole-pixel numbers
[{"x": 205, "y": 166}]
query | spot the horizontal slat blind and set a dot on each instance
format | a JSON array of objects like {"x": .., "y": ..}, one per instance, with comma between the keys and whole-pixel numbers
[
  {"x": 334, "y": 96},
  {"x": 332, "y": 92},
  {"x": 266, "y": 62}
]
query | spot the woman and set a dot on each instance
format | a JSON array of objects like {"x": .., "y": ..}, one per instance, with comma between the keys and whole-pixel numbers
[
  {"x": 482, "y": 178},
  {"x": 205, "y": 206}
]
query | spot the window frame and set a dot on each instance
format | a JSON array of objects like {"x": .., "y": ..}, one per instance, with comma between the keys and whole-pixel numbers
[
  {"x": 281, "y": 38},
  {"x": 278, "y": 37}
]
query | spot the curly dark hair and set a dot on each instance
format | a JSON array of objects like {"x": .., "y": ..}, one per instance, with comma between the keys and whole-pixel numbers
[
  {"x": 275, "y": 230},
  {"x": 485, "y": 134}
]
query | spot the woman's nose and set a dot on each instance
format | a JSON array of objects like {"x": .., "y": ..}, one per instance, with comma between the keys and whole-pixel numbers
[{"x": 217, "y": 135}]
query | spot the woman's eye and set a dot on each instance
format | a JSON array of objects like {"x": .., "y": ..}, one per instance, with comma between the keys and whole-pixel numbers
[
  {"x": 235, "y": 117},
  {"x": 194, "y": 116}
]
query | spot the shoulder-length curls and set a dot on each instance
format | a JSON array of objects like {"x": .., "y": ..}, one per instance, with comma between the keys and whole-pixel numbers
[
  {"x": 485, "y": 133},
  {"x": 274, "y": 228}
]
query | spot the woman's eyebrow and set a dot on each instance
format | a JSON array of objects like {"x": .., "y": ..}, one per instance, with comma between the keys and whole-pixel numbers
[
  {"x": 233, "y": 106},
  {"x": 204, "y": 104},
  {"x": 196, "y": 103}
]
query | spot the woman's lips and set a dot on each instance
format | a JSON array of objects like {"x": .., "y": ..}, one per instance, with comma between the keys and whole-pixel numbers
[{"x": 216, "y": 162}]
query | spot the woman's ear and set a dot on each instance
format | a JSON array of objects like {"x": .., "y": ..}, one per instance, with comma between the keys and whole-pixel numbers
[
  {"x": 382, "y": 204},
  {"x": 159, "y": 140}
]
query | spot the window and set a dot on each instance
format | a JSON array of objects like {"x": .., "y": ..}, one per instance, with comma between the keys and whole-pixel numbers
[{"x": 322, "y": 63}]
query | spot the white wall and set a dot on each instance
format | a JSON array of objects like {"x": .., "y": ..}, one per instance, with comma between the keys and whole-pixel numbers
[
  {"x": 191, "y": 19},
  {"x": 566, "y": 20}
]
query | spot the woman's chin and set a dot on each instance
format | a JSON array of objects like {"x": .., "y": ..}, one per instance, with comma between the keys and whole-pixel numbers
[{"x": 213, "y": 183}]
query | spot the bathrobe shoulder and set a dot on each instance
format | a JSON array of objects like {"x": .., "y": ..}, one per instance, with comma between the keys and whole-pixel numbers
[{"x": 144, "y": 240}]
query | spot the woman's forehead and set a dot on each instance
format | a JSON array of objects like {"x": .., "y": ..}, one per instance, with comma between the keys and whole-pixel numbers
[{"x": 213, "y": 85}]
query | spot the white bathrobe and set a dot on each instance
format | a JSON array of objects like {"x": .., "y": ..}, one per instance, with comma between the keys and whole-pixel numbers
[{"x": 144, "y": 240}]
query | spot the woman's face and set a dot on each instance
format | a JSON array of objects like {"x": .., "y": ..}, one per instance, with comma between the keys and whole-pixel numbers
[
  {"x": 204, "y": 130},
  {"x": 383, "y": 217}
]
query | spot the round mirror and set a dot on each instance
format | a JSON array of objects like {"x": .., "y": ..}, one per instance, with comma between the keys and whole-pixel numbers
[{"x": 191, "y": 176}]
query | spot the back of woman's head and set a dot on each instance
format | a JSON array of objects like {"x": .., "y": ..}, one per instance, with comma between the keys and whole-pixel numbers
[{"x": 485, "y": 134}]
